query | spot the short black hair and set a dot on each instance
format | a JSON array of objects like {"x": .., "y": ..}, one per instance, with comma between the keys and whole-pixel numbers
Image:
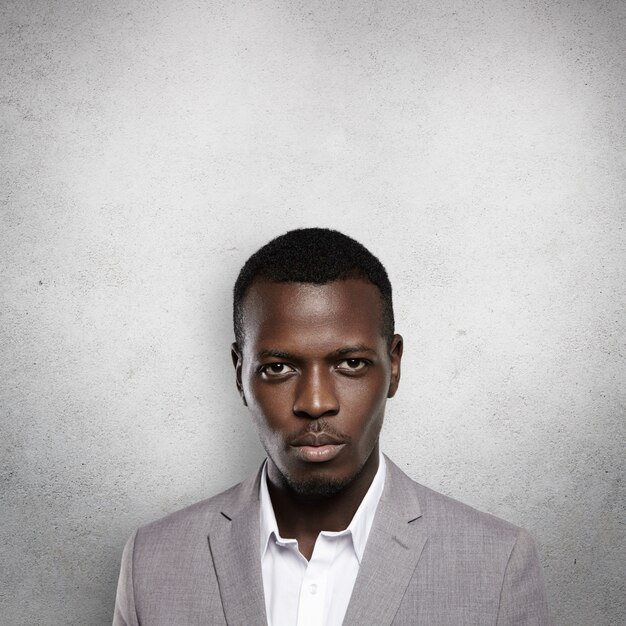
[{"x": 312, "y": 255}]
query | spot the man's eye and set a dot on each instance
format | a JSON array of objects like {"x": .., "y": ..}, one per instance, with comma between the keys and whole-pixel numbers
[
  {"x": 352, "y": 365},
  {"x": 276, "y": 369}
]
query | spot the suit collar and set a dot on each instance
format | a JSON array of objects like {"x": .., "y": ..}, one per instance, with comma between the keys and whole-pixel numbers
[
  {"x": 234, "y": 543},
  {"x": 359, "y": 528},
  {"x": 393, "y": 549}
]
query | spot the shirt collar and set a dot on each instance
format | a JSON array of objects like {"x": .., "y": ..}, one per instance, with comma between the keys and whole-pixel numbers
[{"x": 359, "y": 528}]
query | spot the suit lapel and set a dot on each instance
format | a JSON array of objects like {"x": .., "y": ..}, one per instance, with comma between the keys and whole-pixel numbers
[
  {"x": 234, "y": 542},
  {"x": 393, "y": 549}
]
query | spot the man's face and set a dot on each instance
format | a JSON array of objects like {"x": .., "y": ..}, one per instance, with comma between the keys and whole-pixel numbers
[{"x": 316, "y": 372}]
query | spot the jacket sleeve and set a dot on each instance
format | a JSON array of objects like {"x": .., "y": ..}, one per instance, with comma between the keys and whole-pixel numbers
[
  {"x": 125, "y": 613},
  {"x": 523, "y": 596}
]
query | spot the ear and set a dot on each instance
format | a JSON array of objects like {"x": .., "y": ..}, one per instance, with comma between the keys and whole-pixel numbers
[
  {"x": 236, "y": 355},
  {"x": 395, "y": 354}
]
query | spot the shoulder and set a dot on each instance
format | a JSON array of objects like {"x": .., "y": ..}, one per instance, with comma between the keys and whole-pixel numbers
[
  {"x": 442, "y": 511},
  {"x": 459, "y": 536},
  {"x": 450, "y": 520},
  {"x": 199, "y": 513},
  {"x": 164, "y": 560},
  {"x": 196, "y": 520},
  {"x": 468, "y": 560}
]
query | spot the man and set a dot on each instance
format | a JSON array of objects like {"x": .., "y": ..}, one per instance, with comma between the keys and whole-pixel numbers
[{"x": 329, "y": 531}]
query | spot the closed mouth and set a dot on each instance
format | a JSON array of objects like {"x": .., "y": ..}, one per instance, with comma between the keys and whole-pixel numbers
[
  {"x": 317, "y": 440},
  {"x": 318, "y": 454}
]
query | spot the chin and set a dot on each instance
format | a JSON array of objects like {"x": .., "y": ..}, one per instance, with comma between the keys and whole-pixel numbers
[
  {"x": 321, "y": 482},
  {"x": 322, "y": 486}
]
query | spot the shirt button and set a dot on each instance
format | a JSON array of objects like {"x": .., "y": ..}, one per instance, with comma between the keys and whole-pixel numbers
[{"x": 313, "y": 589}]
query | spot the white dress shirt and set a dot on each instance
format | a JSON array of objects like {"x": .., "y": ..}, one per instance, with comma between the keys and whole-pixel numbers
[{"x": 316, "y": 592}]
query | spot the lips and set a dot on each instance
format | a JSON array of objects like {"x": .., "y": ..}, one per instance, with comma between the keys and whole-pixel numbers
[
  {"x": 317, "y": 439},
  {"x": 317, "y": 447}
]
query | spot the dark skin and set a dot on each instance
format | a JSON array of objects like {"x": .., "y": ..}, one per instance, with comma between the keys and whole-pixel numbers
[
  {"x": 315, "y": 372},
  {"x": 304, "y": 517}
]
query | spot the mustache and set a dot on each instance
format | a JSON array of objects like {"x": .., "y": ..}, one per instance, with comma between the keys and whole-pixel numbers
[{"x": 319, "y": 427}]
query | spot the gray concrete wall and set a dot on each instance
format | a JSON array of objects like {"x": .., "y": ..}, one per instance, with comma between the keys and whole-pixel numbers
[{"x": 478, "y": 147}]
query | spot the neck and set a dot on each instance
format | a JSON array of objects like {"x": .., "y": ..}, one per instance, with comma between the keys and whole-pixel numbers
[{"x": 304, "y": 516}]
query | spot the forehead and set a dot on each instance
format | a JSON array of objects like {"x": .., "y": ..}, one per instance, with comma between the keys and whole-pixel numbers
[{"x": 341, "y": 311}]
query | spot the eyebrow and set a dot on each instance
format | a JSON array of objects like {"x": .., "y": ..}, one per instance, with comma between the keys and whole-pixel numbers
[{"x": 280, "y": 354}]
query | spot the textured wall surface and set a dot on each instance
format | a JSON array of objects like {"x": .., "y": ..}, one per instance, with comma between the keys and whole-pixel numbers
[{"x": 477, "y": 146}]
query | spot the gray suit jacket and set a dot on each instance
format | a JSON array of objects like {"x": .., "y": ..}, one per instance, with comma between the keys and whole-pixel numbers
[{"x": 429, "y": 561}]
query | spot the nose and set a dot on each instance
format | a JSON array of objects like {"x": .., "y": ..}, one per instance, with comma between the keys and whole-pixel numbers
[{"x": 315, "y": 395}]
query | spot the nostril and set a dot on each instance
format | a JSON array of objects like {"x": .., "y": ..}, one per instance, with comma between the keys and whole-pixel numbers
[
  {"x": 312, "y": 413},
  {"x": 315, "y": 405}
]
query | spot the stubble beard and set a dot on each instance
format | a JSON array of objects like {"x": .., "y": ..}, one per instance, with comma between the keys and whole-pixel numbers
[
  {"x": 321, "y": 486},
  {"x": 318, "y": 486}
]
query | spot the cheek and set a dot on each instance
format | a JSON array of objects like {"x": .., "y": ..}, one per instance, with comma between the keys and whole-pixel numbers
[
  {"x": 365, "y": 404},
  {"x": 270, "y": 405}
]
